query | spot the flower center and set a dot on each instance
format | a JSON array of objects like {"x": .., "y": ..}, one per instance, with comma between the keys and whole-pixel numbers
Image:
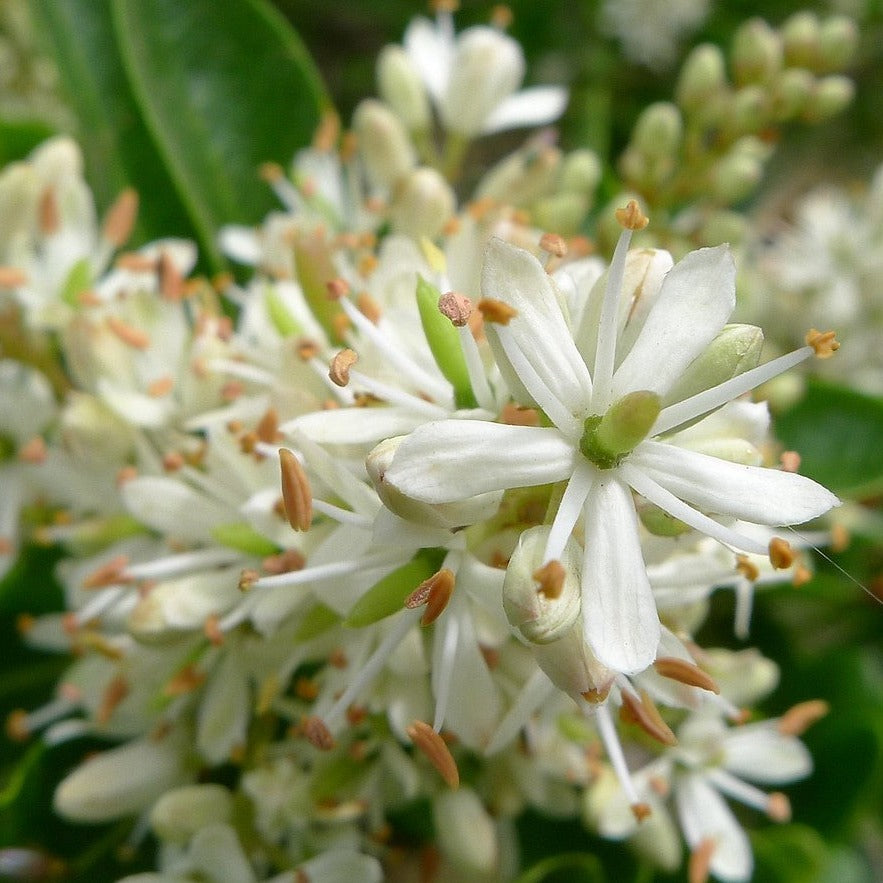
[{"x": 608, "y": 439}]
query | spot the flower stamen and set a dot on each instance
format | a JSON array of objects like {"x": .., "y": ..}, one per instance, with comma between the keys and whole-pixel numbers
[{"x": 436, "y": 751}]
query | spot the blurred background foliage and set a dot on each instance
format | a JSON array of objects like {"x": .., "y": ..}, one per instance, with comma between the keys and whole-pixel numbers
[{"x": 187, "y": 114}]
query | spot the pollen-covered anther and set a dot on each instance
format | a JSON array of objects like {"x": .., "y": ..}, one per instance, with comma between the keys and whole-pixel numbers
[
  {"x": 747, "y": 567},
  {"x": 136, "y": 263},
  {"x": 550, "y": 578},
  {"x": 496, "y": 311},
  {"x": 782, "y": 555},
  {"x": 596, "y": 695},
  {"x": 317, "y": 733},
  {"x": 286, "y": 562},
  {"x": 699, "y": 866},
  {"x": 369, "y": 307},
  {"x": 501, "y": 16},
  {"x": 172, "y": 461},
  {"x": 685, "y": 673},
  {"x": 160, "y": 387},
  {"x": 437, "y": 752},
  {"x": 641, "y": 811},
  {"x": 17, "y": 729},
  {"x": 120, "y": 218},
  {"x": 799, "y": 718},
  {"x": 790, "y": 461},
  {"x": 456, "y": 307},
  {"x": 267, "y": 429},
  {"x": 247, "y": 579},
  {"x": 306, "y": 349},
  {"x": 128, "y": 334},
  {"x": 631, "y": 217},
  {"x": 554, "y": 244},
  {"x": 435, "y": 593},
  {"x": 297, "y": 495},
  {"x": 33, "y": 451},
  {"x": 824, "y": 343},
  {"x": 12, "y": 277},
  {"x": 840, "y": 538},
  {"x": 108, "y": 574},
  {"x": 339, "y": 371},
  {"x": 47, "y": 212},
  {"x": 778, "y": 807},
  {"x": 646, "y": 715},
  {"x": 188, "y": 679},
  {"x": 337, "y": 288},
  {"x": 171, "y": 282}
]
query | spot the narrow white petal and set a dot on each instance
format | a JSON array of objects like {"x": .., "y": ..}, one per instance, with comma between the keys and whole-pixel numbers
[
  {"x": 136, "y": 407},
  {"x": 695, "y": 301},
  {"x": 531, "y": 697},
  {"x": 240, "y": 244},
  {"x": 761, "y": 754},
  {"x": 534, "y": 106},
  {"x": 752, "y": 493},
  {"x": 431, "y": 53},
  {"x": 454, "y": 459},
  {"x": 224, "y": 711},
  {"x": 619, "y": 613},
  {"x": 356, "y": 425}
]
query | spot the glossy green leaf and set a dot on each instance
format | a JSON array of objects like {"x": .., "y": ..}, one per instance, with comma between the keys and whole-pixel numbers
[
  {"x": 222, "y": 88},
  {"x": 838, "y": 433}
]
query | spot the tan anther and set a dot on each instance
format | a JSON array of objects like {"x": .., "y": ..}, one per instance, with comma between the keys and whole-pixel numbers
[
  {"x": 222, "y": 281},
  {"x": 631, "y": 217},
  {"x": 699, "y": 866},
  {"x": 301, "y": 876},
  {"x": 349, "y": 146},
  {"x": 234, "y": 426},
  {"x": 115, "y": 692},
  {"x": 327, "y": 132},
  {"x": 437, "y": 752},
  {"x": 554, "y": 244},
  {"x": 747, "y": 567},
  {"x": 296, "y": 492},
  {"x": 92, "y": 640},
  {"x": 517, "y": 415},
  {"x": 452, "y": 226},
  {"x": 641, "y": 811},
  {"x": 128, "y": 334},
  {"x": 782, "y": 556},
  {"x": 337, "y": 288},
  {"x": 551, "y": 579},
  {"x": 840, "y": 538},
  {"x": 232, "y": 390},
  {"x": 172, "y": 461},
  {"x": 646, "y": 715},
  {"x": 434, "y": 592},
  {"x": 316, "y": 732},
  {"x": 355, "y": 714},
  {"x": 306, "y": 688},
  {"x": 338, "y": 658},
  {"x": 799, "y": 718},
  {"x": 247, "y": 579},
  {"x": 498, "y": 311},
  {"x": 790, "y": 461},
  {"x": 285, "y": 562},
  {"x": 778, "y": 807},
  {"x": 7, "y": 547},
  {"x": 120, "y": 218},
  {"x": 17, "y": 726},
  {"x": 212, "y": 630},
  {"x": 367, "y": 264},
  {"x": 340, "y": 324},
  {"x": 801, "y": 576},
  {"x": 596, "y": 695},
  {"x": 88, "y": 298},
  {"x": 581, "y": 246},
  {"x": 70, "y": 624},
  {"x": 823, "y": 343},
  {"x": 124, "y": 474},
  {"x": 480, "y": 207},
  {"x": 267, "y": 429},
  {"x": 367, "y": 239},
  {"x": 160, "y": 387},
  {"x": 659, "y": 786},
  {"x": 456, "y": 307},
  {"x": 12, "y": 277},
  {"x": 47, "y": 212},
  {"x": 33, "y": 451},
  {"x": 108, "y": 574},
  {"x": 271, "y": 172},
  {"x": 685, "y": 673},
  {"x": 188, "y": 679},
  {"x": 136, "y": 263},
  {"x": 369, "y": 307},
  {"x": 171, "y": 282},
  {"x": 339, "y": 371},
  {"x": 24, "y": 622}
]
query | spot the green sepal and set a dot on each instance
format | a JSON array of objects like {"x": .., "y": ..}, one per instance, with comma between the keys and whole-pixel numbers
[
  {"x": 280, "y": 315},
  {"x": 240, "y": 535},
  {"x": 79, "y": 279},
  {"x": 444, "y": 342},
  {"x": 387, "y": 596},
  {"x": 319, "y": 619}
]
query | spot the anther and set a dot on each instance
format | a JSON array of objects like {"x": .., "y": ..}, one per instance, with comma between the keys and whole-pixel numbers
[
  {"x": 297, "y": 495},
  {"x": 267, "y": 429},
  {"x": 17, "y": 729},
  {"x": 317, "y": 733},
  {"x": 799, "y": 718},
  {"x": 286, "y": 562},
  {"x": 12, "y": 277},
  {"x": 840, "y": 538},
  {"x": 501, "y": 17},
  {"x": 646, "y": 715},
  {"x": 115, "y": 692},
  {"x": 747, "y": 567},
  {"x": 554, "y": 244},
  {"x": 496, "y": 311},
  {"x": 128, "y": 334},
  {"x": 801, "y": 576},
  {"x": 369, "y": 307},
  {"x": 790, "y": 461},
  {"x": 188, "y": 679},
  {"x": 271, "y": 172},
  {"x": 337, "y": 288},
  {"x": 456, "y": 307},
  {"x": 47, "y": 212},
  {"x": 120, "y": 218},
  {"x": 437, "y": 752},
  {"x": 782, "y": 556},
  {"x": 108, "y": 574},
  {"x": 685, "y": 673},
  {"x": 247, "y": 579},
  {"x": 327, "y": 132},
  {"x": 306, "y": 349},
  {"x": 551, "y": 579},
  {"x": 823, "y": 343},
  {"x": 779, "y": 807},
  {"x": 212, "y": 630},
  {"x": 699, "y": 866},
  {"x": 172, "y": 461},
  {"x": 171, "y": 282},
  {"x": 339, "y": 371},
  {"x": 641, "y": 811},
  {"x": 435, "y": 593},
  {"x": 160, "y": 387},
  {"x": 631, "y": 217},
  {"x": 33, "y": 451}
]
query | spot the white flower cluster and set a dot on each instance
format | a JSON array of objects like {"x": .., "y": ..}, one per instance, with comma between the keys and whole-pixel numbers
[{"x": 448, "y": 498}]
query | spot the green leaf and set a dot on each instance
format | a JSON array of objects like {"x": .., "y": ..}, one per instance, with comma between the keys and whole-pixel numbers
[
  {"x": 222, "y": 88},
  {"x": 570, "y": 868},
  {"x": 791, "y": 854},
  {"x": 19, "y": 137},
  {"x": 838, "y": 433}
]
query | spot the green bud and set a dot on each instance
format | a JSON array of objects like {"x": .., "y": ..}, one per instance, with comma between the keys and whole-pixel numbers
[
  {"x": 467, "y": 835},
  {"x": 402, "y": 89},
  {"x": 659, "y": 522},
  {"x": 830, "y": 96},
  {"x": 564, "y": 212},
  {"x": 735, "y": 350},
  {"x": 633, "y": 167},
  {"x": 735, "y": 177},
  {"x": 383, "y": 143},
  {"x": 181, "y": 812},
  {"x": 838, "y": 39},
  {"x": 606, "y": 440},
  {"x": 747, "y": 110},
  {"x": 422, "y": 202},
  {"x": 523, "y": 176},
  {"x": 581, "y": 172},
  {"x": 757, "y": 52},
  {"x": 659, "y": 130},
  {"x": 702, "y": 75},
  {"x": 791, "y": 91},
  {"x": 801, "y": 38}
]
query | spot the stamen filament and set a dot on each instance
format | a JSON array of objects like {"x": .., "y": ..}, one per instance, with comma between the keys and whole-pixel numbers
[
  {"x": 613, "y": 747},
  {"x": 396, "y": 396},
  {"x": 728, "y": 784},
  {"x": 343, "y": 516},
  {"x": 474, "y": 367},
  {"x": 445, "y": 669},
  {"x": 173, "y": 565},
  {"x": 320, "y": 572},
  {"x": 531, "y": 697},
  {"x": 242, "y": 370},
  {"x": 569, "y": 510}
]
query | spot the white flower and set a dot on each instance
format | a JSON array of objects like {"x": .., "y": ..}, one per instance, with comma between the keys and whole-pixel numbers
[{"x": 609, "y": 432}]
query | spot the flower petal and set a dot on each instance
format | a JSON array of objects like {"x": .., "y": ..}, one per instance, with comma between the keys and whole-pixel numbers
[
  {"x": 752, "y": 493},
  {"x": 695, "y": 301},
  {"x": 357, "y": 425},
  {"x": 449, "y": 460},
  {"x": 534, "y": 106},
  {"x": 431, "y": 51},
  {"x": 761, "y": 754},
  {"x": 619, "y": 613}
]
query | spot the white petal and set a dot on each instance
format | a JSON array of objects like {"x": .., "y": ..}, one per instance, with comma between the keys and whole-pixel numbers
[
  {"x": 240, "y": 244},
  {"x": 357, "y": 425},
  {"x": 540, "y": 331},
  {"x": 451, "y": 460},
  {"x": 136, "y": 407},
  {"x": 224, "y": 712},
  {"x": 619, "y": 613},
  {"x": 534, "y": 106},
  {"x": 704, "y": 814},
  {"x": 432, "y": 53},
  {"x": 695, "y": 301},
  {"x": 217, "y": 855},
  {"x": 341, "y": 866},
  {"x": 753, "y": 493},
  {"x": 761, "y": 754}
]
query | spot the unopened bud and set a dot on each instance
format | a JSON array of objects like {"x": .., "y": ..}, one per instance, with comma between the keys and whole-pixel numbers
[
  {"x": 736, "y": 176},
  {"x": 702, "y": 75},
  {"x": 180, "y": 813},
  {"x": 422, "y": 203},
  {"x": 383, "y": 143},
  {"x": 581, "y": 172},
  {"x": 801, "y": 39},
  {"x": 563, "y": 211},
  {"x": 402, "y": 89},
  {"x": 838, "y": 39},
  {"x": 523, "y": 176},
  {"x": 757, "y": 52},
  {"x": 791, "y": 91},
  {"x": 723, "y": 226},
  {"x": 466, "y": 832},
  {"x": 830, "y": 96},
  {"x": 659, "y": 130},
  {"x": 747, "y": 110}
]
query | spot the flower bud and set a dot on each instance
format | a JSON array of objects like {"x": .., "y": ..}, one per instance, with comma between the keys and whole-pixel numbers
[
  {"x": 757, "y": 52},
  {"x": 422, "y": 202},
  {"x": 444, "y": 515},
  {"x": 801, "y": 38},
  {"x": 791, "y": 91},
  {"x": 581, "y": 172},
  {"x": 747, "y": 110},
  {"x": 702, "y": 75},
  {"x": 181, "y": 812},
  {"x": 92, "y": 432},
  {"x": 402, "y": 89},
  {"x": 723, "y": 226},
  {"x": 572, "y": 667},
  {"x": 488, "y": 67},
  {"x": 466, "y": 832},
  {"x": 384, "y": 145},
  {"x": 563, "y": 212},
  {"x": 216, "y": 854},
  {"x": 735, "y": 176},
  {"x": 838, "y": 38},
  {"x": 830, "y": 96},
  {"x": 540, "y": 614},
  {"x": 659, "y": 130},
  {"x": 523, "y": 176}
]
